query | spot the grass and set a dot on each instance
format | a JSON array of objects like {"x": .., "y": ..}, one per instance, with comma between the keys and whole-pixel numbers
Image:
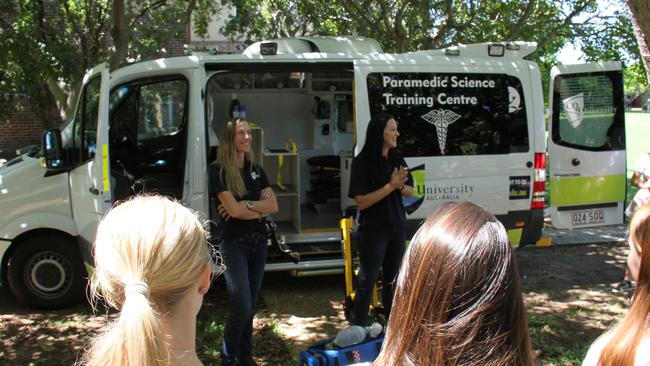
[
  {"x": 637, "y": 130},
  {"x": 553, "y": 335}
]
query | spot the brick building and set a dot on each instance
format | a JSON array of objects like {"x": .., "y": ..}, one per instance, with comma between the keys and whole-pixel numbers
[{"x": 20, "y": 126}]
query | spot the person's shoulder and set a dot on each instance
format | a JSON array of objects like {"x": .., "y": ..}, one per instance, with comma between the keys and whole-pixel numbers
[
  {"x": 596, "y": 348},
  {"x": 257, "y": 167},
  {"x": 214, "y": 166},
  {"x": 360, "y": 159}
]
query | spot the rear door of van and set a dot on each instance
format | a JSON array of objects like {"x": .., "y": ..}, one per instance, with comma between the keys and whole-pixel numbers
[
  {"x": 463, "y": 128},
  {"x": 586, "y": 145}
]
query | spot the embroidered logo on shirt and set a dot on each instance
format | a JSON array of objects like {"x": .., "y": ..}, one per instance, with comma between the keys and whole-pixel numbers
[{"x": 254, "y": 175}]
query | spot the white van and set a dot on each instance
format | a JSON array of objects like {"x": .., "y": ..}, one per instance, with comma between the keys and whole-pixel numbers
[{"x": 471, "y": 120}]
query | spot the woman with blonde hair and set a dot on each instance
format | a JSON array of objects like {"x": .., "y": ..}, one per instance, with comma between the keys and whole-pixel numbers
[
  {"x": 245, "y": 197},
  {"x": 152, "y": 263},
  {"x": 629, "y": 341},
  {"x": 458, "y": 299}
]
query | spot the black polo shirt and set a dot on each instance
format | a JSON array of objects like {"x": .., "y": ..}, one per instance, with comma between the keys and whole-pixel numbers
[
  {"x": 255, "y": 181},
  {"x": 366, "y": 178}
]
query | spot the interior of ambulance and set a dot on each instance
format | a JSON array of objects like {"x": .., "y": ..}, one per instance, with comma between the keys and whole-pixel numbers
[{"x": 302, "y": 131}]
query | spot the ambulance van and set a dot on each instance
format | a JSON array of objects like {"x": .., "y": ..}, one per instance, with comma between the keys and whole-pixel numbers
[{"x": 471, "y": 122}]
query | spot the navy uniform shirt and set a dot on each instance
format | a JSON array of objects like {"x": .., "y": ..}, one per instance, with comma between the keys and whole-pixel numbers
[
  {"x": 365, "y": 178},
  {"x": 255, "y": 181}
]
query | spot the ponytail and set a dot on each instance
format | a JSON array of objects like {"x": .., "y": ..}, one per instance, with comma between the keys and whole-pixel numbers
[
  {"x": 149, "y": 252},
  {"x": 136, "y": 337}
]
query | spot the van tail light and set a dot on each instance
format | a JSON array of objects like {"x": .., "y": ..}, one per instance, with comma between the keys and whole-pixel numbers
[{"x": 539, "y": 181}]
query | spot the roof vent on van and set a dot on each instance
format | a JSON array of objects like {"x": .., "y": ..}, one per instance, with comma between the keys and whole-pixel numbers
[{"x": 338, "y": 44}]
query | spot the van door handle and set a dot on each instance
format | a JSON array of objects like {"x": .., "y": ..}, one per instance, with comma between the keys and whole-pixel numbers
[
  {"x": 575, "y": 162},
  {"x": 529, "y": 164},
  {"x": 94, "y": 191}
]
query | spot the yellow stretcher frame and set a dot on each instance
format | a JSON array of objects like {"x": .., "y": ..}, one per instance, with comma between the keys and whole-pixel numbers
[{"x": 347, "y": 225}]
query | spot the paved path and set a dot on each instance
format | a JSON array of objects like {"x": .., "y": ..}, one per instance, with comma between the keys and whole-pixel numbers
[{"x": 612, "y": 233}]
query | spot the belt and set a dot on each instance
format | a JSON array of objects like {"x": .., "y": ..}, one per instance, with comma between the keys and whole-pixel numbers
[{"x": 252, "y": 236}]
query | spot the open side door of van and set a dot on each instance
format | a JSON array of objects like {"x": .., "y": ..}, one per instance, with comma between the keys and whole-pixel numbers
[
  {"x": 586, "y": 145},
  {"x": 90, "y": 192}
]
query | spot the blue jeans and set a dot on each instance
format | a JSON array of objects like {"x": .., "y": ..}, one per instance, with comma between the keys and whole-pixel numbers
[
  {"x": 379, "y": 248},
  {"x": 244, "y": 258}
]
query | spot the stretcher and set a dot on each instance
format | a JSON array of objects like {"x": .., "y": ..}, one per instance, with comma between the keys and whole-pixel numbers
[{"x": 351, "y": 271}]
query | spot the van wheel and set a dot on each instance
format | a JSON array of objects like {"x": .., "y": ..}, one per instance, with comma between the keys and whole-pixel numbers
[{"x": 46, "y": 272}]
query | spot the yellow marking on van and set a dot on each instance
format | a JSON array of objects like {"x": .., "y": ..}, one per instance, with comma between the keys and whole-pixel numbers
[
  {"x": 515, "y": 236},
  {"x": 105, "y": 164},
  {"x": 587, "y": 190},
  {"x": 544, "y": 242}
]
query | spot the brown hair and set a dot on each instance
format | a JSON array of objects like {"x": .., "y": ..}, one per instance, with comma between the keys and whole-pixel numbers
[
  {"x": 458, "y": 299},
  {"x": 227, "y": 157},
  {"x": 626, "y": 336}
]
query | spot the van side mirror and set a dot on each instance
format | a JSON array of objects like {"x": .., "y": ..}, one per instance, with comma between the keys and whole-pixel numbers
[{"x": 53, "y": 150}]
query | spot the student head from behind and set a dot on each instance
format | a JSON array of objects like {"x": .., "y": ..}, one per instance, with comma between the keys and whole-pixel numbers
[
  {"x": 458, "y": 299},
  {"x": 628, "y": 342},
  {"x": 153, "y": 264}
]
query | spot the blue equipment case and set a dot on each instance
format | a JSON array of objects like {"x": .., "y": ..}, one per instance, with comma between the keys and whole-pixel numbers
[{"x": 320, "y": 355}]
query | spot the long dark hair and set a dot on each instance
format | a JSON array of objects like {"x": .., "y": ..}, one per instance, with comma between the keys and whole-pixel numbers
[
  {"x": 374, "y": 144},
  {"x": 458, "y": 299}
]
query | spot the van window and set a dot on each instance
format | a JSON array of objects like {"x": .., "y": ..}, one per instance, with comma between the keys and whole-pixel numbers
[
  {"x": 261, "y": 80},
  {"x": 148, "y": 135},
  {"x": 84, "y": 130},
  {"x": 161, "y": 108},
  {"x": 452, "y": 113},
  {"x": 588, "y": 118}
]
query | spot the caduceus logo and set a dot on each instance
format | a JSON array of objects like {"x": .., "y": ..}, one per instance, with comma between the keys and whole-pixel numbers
[
  {"x": 441, "y": 119},
  {"x": 574, "y": 107}
]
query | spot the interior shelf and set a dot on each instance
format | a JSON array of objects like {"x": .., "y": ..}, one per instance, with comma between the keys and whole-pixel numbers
[{"x": 289, "y": 191}]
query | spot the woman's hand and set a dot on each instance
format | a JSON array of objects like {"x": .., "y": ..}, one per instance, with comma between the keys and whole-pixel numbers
[
  {"x": 223, "y": 213},
  {"x": 399, "y": 177}
]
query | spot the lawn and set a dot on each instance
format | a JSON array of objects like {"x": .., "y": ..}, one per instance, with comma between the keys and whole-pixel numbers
[{"x": 637, "y": 131}]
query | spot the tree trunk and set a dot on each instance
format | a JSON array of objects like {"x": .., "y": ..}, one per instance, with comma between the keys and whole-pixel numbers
[
  {"x": 120, "y": 35},
  {"x": 640, "y": 15}
]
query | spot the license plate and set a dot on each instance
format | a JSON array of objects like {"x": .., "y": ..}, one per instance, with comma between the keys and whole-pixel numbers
[{"x": 588, "y": 217}]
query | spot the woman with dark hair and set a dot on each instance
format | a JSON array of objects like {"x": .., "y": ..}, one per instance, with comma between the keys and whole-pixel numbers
[
  {"x": 628, "y": 343},
  {"x": 379, "y": 178},
  {"x": 244, "y": 196},
  {"x": 458, "y": 299}
]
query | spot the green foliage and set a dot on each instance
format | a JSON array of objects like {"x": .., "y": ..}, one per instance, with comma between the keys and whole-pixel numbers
[
  {"x": 402, "y": 25},
  {"x": 49, "y": 45},
  {"x": 635, "y": 79}
]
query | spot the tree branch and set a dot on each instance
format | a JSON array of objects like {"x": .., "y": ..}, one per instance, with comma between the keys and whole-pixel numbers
[
  {"x": 191, "y": 5},
  {"x": 154, "y": 5}
]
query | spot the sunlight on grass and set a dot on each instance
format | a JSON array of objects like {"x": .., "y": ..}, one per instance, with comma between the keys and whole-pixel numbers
[{"x": 637, "y": 130}]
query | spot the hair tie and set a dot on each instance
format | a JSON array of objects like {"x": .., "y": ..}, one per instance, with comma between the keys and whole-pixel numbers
[{"x": 137, "y": 287}]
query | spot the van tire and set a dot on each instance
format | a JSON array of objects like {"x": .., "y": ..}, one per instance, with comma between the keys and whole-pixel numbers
[{"x": 47, "y": 272}]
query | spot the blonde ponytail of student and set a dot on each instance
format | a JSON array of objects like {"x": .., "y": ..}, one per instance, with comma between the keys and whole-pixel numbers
[{"x": 149, "y": 252}]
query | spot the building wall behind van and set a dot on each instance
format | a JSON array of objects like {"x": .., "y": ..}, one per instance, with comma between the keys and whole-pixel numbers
[{"x": 20, "y": 126}]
